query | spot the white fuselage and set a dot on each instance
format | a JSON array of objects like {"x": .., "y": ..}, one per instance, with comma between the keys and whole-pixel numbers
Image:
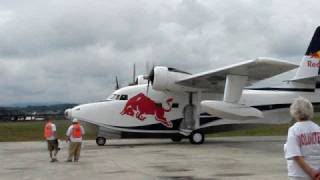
[{"x": 123, "y": 115}]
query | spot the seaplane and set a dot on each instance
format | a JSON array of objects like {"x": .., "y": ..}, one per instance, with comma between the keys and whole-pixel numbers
[{"x": 172, "y": 103}]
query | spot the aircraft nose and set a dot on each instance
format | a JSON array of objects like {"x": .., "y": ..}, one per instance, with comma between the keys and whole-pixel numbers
[{"x": 68, "y": 114}]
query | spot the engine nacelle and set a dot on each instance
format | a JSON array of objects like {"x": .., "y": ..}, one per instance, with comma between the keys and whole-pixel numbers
[
  {"x": 141, "y": 80},
  {"x": 165, "y": 79}
]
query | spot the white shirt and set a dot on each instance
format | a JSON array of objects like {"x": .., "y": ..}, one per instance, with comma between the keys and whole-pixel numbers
[
  {"x": 54, "y": 129},
  {"x": 303, "y": 140},
  {"x": 73, "y": 139}
]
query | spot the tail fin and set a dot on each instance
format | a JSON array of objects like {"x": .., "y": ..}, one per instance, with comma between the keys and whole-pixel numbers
[{"x": 310, "y": 65}]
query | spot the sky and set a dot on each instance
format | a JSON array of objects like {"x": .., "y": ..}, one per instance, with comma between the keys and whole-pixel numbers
[{"x": 58, "y": 51}]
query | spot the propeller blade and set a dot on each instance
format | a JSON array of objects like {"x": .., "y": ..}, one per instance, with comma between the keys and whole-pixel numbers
[
  {"x": 134, "y": 80},
  {"x": 147, "y": 67},
  {"x": 150, "y": 78},
  {"x": 148, "y": 87},
  {"x": 117, "y": 84},
  {"x": 151, "y": 75},
  {"x": 134, "y": 73}
]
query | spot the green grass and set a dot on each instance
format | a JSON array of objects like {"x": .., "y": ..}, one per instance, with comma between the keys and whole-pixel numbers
[
  {"x": 259, "y": 130},
  {"x": 31, "y": 130}
]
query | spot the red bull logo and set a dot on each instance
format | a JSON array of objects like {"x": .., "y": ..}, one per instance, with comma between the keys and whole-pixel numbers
[
  {"x": 315, "y": 55},
  {"x": 141, "y": 105}
]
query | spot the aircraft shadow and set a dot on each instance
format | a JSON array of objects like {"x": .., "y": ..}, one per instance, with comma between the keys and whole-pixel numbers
[{"x": 185, "y": 142}]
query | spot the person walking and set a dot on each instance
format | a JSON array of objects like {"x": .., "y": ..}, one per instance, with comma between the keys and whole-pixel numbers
[
  {"x": 50, "y": 134},
  {"x": 74, "y": 134},
  {"x": 302, "y": 148}
]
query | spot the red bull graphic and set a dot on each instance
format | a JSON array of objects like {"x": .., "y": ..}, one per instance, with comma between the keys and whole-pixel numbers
[
  {"x": 315, "y": 55},
  {"x": 141, "y": 105}
]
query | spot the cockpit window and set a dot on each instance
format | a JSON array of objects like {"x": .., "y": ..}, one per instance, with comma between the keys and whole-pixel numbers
[
  {"x": 118, "y": 97},
  {"x": 112, "y": 97},
  {"x": 121, "y": 97},
  {"x": 124, "y": 97}
]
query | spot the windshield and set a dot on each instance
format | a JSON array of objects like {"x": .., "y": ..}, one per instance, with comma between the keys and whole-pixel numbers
[{"x": 111, "y": 97}]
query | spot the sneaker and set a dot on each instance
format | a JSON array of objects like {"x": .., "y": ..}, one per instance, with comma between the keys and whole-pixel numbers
[{"x": 69, "y": 160}]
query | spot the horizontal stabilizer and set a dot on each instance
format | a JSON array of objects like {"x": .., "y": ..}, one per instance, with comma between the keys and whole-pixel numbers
[
  {"x": 306, "y": 80},
  {"x": 230, "y": 110}
]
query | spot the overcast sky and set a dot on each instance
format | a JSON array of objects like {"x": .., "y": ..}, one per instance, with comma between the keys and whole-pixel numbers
[{"x": 71, "y": 51}]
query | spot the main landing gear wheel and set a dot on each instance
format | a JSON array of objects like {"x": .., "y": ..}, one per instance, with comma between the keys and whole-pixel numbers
[
  {"x": 177, "y": 138},
  {"x": 196, "y": 137},
  {"x": 101, "y": 141}
]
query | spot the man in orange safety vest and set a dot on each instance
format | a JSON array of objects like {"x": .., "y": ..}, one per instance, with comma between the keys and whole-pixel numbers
[
  {"x": 74, "y": 136},
  {"x": 50, "y": 134}
]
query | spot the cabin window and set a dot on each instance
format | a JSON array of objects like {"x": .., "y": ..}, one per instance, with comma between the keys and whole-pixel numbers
[
  {"x": 175, "y": 105},
  {"x": 124, "y": 97}
]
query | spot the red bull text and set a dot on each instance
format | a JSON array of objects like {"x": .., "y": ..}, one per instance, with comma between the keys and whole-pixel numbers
[
  {"x": 141, "y": 105},
  {"x": 315, "y": 55},
  {"x": 313, "y": 64}
]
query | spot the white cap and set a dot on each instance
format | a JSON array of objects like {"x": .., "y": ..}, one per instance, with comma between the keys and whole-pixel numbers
[{"x": 75, "y": 121}]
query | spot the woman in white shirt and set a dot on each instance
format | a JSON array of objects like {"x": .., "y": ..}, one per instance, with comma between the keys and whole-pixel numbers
[{"x": 302, "y": 149}]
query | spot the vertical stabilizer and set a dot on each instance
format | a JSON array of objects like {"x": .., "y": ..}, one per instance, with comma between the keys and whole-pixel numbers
[{"x": 310, "y": 64}]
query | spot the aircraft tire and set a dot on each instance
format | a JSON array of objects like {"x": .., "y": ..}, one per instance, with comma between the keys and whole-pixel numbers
[
  {"x": 101, "y": 141},
  {"x": 196, "y": 137},
  {"x": 176, "y": 138}
]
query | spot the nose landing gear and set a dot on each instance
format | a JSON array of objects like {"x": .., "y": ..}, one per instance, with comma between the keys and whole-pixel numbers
[{"x": 101, "y": 141}]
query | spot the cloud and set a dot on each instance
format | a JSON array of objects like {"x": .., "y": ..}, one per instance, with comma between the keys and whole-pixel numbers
[{"x": 71, "y": 51}]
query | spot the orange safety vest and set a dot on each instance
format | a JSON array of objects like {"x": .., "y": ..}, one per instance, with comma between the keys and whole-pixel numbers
[
  {"x": 76, "y": 131},
  {"x": 48, "y": 130}
]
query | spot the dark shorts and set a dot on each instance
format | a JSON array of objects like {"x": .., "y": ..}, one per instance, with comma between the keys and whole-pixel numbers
[{"x": 53, "y": 145}]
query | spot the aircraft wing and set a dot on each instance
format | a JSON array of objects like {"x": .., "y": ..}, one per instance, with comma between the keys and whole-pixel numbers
[
  {"x": 230, "y": 81},
  {"x": 255, "y": 70}
]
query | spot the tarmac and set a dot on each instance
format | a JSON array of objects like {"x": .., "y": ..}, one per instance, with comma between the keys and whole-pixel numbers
[{"x": 236, "y": 158}]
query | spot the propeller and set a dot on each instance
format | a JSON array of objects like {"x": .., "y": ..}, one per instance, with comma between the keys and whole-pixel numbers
[
  {"x": 134, "y": 73},
  {"x": 147, "y": 64},
  {"x": 150, "y": 73},
  {"x": 117, "y": 84},
  {"x": 134, "y": 82},
  {"x": 150, "y": 78}
]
